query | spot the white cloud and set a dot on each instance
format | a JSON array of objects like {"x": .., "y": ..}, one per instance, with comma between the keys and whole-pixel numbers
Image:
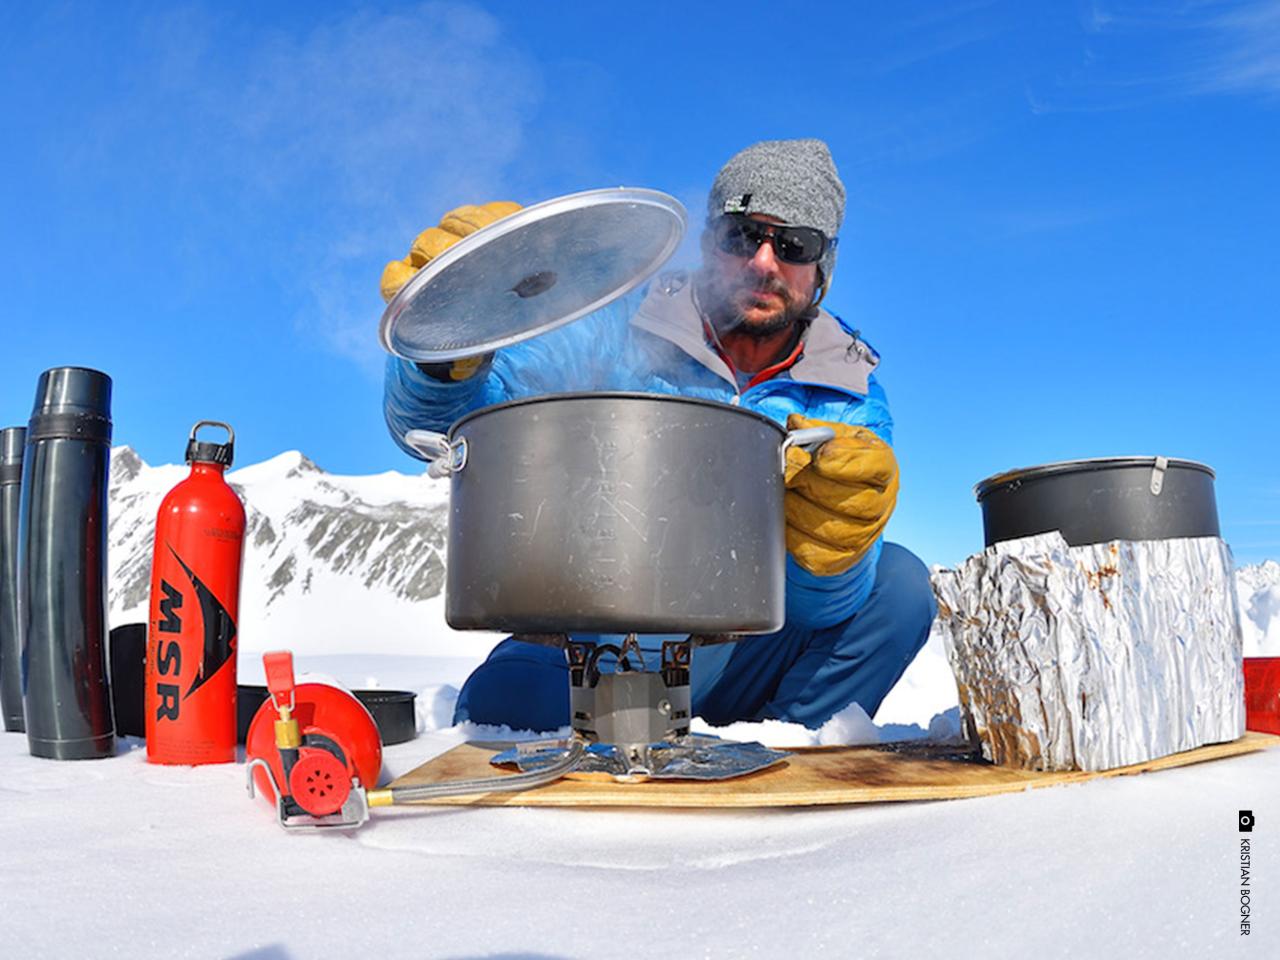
[
  {"x": 1248, "y": 50},
  {"x": 332, "y": 143},
  {"x": 391, "y": 109},
  {"x": 1045, "y": 218},
  {"x": 1136, "y": 53},
  {"x": 937, "y": 33},
  {"x": 391, "y": 119}
]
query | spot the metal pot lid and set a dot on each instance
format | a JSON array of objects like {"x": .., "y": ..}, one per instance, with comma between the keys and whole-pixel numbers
[{"x": 532, "y": 271}]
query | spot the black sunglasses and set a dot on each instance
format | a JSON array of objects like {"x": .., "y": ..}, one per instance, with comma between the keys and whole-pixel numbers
[{"x": 740, "y": 236}]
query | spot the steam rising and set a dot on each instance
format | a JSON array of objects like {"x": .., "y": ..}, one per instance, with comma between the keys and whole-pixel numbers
[
  {"x": 336, "y": 142},
  {"x": 394, "y": 119}
]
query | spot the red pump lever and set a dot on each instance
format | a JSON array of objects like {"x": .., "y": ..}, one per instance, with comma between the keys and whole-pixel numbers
[{"x": 278, "y": 665}]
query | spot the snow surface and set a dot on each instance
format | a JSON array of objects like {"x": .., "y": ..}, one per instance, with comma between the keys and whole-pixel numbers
[
  {"x": 1258, "y": 587},
  {"x": 120, "y": 858}
]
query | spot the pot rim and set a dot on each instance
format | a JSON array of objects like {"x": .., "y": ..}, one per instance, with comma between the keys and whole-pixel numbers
[
  {"x": 616, "y": 395},
  {"x": 984, "y": 487}
]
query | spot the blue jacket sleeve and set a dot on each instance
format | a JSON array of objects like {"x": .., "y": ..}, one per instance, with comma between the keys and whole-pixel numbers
[
  {"x": 583, "y": 355},
  {"x": 412, "y": 400}
]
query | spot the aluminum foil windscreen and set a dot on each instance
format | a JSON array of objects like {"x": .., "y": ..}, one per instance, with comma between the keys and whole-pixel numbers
[{"x": 1094, "y": 657}]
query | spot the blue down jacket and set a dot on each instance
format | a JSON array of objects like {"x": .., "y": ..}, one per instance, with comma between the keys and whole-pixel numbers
[{"x": 652, "y": 341}]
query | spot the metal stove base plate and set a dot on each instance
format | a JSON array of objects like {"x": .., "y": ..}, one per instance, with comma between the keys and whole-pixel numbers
[{"x": 695, "y": 757}]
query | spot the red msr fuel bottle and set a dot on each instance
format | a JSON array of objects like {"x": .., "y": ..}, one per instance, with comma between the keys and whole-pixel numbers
[{"x": 195, "y": 598}]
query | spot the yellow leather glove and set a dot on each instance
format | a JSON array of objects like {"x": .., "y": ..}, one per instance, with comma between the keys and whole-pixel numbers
[
  {"x": 839, "y": 498},
  {"x": 434, "y": 241}
]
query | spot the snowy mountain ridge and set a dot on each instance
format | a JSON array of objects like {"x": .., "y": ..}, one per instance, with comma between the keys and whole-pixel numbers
[
  {"x": 331, "y": 563},
  {"x": 349, "y": 564}
]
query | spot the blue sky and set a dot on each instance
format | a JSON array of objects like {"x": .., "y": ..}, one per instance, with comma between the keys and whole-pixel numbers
[{"x": 1062, "y": 234}]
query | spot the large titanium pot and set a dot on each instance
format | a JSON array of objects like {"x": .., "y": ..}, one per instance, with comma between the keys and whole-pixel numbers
[
  {"x": 1093, "y": 501},
  {"x": 614, "y": 513}
]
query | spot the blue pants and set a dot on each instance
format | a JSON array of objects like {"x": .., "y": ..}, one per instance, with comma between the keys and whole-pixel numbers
[{"x": 800, "y": 675}]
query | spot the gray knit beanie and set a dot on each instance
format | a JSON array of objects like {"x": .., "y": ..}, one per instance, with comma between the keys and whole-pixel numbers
[{"x": 793, "y": 180}]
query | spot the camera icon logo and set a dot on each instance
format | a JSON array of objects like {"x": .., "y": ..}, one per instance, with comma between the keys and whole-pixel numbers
[{"x": 1246, "y": 821}]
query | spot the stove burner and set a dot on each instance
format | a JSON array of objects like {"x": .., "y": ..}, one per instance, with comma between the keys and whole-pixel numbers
[
  {"x": 631, "y": 707},
  {"x": 636, "y": 720}
]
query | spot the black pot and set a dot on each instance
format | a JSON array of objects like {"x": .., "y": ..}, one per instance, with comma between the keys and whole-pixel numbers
[
  {"x": 1094, "y": 501},
  {"x": 128, "y": 656},
  {"x": 392, "y": 712}
]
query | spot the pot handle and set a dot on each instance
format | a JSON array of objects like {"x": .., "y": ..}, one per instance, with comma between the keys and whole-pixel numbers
[
  {"x": 445, "y": 458},
  {"x": 809, "y": 438}
]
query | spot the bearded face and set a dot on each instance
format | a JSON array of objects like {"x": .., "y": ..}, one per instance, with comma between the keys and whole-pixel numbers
[{"x": 756, "y": 296}]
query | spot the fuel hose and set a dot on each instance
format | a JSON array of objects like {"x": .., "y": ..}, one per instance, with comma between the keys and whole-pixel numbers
[{"x": 502, "y": 784}]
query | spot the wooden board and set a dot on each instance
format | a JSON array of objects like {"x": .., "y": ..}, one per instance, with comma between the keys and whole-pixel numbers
[{"x": 812, "y": 776}]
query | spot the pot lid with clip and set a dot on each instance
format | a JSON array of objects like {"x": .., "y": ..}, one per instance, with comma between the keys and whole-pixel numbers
[{"x": 532, "y": 271}]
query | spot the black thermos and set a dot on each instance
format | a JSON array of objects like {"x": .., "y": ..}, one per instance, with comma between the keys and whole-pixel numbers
[
  {"x": 12, "y": 441},
  {"x": 62, "y": 566}
]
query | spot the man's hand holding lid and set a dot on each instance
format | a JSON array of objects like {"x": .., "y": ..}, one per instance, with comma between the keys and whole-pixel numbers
[
  {"x": 429, "y": 244},
  {"x": 434, "y": 241},
  {"x": 839, "y": 498}
]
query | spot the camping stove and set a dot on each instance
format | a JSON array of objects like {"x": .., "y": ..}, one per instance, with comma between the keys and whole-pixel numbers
[
  {"x": 632, "y": 707},
  {"x": 636, "y": 720},
  {"x": 631, "y": 724}
]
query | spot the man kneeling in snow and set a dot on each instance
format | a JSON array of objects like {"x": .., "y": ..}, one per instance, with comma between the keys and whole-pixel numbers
[{"x": 746, "y": 328}]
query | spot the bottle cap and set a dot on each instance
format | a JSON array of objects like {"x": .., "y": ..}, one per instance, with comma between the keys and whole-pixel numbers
[{"x": 203, "y": 451}]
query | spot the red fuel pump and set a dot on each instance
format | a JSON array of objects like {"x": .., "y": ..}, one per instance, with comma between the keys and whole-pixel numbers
[
  {"x": 314, "y": 753},
  {"x": 312, "y": 749}
]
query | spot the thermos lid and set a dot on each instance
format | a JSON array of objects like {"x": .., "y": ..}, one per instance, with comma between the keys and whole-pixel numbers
[
  {"x": 13, "y": 441},
  {"x": 72, "y": 403},
  {"x": 203, "y": 451},
  {"x": 73, "y": 390}
]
